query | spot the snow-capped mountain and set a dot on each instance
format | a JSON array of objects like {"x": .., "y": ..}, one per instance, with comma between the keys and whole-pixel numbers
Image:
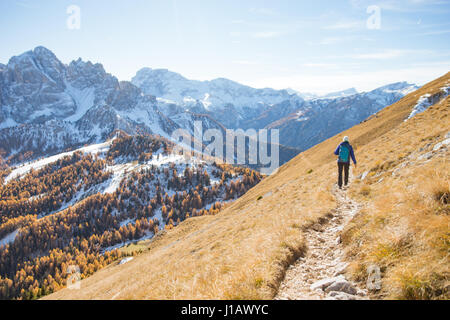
[
  {"x": 227, "y": 101},
  {"x": 304, "y": 119},
  {"x": 47, "y": 106},
  {"x": 238, "y": 106},
  {"x": 307, "y": 95},
  {"x": 320, "y": 119},
  {"x": 339, "y": 94},
  {"x": 332, "y": 95}
]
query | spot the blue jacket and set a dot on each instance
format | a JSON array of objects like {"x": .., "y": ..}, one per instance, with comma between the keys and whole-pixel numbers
[{"x": 352, "y": 154}]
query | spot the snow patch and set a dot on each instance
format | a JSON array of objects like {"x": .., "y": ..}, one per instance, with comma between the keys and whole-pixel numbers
[
  {"x": 167, "y": 101},
  {"x": 8, "y": 123},
  {"x": 148, "y": 235},
  {"x": 441, "y": 144},
  {"x": 126, "y": 222},
  {"x": 425, "y": 102},
  {"x": 125, "y": 260},
  {"x": 9, "y": 238},
  {"x": 422, "y": 104},
  {"x": 25, "y": 168},
  {"x": 160, "y": 159},
  {"x": 300, "y": 116},
  {"x": 118, "y": 175},
  {"x": 188, "y": 100}
]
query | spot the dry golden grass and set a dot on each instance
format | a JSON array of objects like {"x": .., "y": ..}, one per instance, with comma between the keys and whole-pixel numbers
[
  {"x": 228, "y": 256},
  {"x": 405, "y": 228},
  {"x": 240, "y": 253},
  {"x": 243, "y": 252},
  {"x": 405, "y": 231}
]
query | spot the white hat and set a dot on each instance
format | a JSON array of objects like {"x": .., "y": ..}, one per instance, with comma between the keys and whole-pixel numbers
[{"x": 345, "y": 139}]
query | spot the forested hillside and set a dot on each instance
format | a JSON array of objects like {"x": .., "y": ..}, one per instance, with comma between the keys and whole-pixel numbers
[{"x": 80, "y": 208}]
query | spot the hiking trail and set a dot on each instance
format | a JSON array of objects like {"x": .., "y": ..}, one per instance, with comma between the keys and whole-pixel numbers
[{"x": 320, "y": 273}]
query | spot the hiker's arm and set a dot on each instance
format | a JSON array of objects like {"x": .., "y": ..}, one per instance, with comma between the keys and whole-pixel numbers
[
  {"x": 352, "y": 154},
  {"x": 336, "y": 152}
]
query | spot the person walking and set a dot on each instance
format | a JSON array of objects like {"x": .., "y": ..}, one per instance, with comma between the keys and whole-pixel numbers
[{"x": 344, "y": 151}]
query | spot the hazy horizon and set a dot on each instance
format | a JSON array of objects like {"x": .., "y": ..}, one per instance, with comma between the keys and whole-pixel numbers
[{"x": 318, "y": 47}]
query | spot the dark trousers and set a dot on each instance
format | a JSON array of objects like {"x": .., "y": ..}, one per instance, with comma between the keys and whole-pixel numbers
[{"x": 343, "y": 166}]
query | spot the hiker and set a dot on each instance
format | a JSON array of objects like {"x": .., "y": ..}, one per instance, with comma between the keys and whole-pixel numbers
[{"x": 344, "y": 151}]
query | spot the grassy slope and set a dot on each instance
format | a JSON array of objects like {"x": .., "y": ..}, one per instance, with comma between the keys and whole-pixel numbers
[{"x": 244, "y": 251}]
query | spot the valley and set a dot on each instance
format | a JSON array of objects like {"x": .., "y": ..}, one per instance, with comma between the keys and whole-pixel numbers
[
  {"x": 78, "y": 208},
  {"x": 91, "y": 177}
]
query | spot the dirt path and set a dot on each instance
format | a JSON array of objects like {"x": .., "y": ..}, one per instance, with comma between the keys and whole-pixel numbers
[{"x": 320, "y": 273}]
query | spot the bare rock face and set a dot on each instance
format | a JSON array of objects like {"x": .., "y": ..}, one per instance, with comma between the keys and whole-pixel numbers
[
  {"x": 233, "y": 104},
  {"x": 239, "y": 106},
  {"x": 33, "y": 88},
  {"x": 320, "y": 119},
  {"x": 88, "y": 102},
  {"x": 47, "y": 106}
]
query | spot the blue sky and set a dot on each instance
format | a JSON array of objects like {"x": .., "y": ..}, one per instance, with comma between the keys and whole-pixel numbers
[{"x": 310, "y": 46}]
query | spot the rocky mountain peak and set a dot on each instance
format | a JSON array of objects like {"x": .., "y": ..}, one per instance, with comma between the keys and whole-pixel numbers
[{"x": 86, "y": 104}]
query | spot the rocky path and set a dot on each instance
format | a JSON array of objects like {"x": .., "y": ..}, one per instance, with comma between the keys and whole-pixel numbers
[{"x": 320, "y": 274}]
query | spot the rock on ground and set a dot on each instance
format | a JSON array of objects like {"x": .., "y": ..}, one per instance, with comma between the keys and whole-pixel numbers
[{"x": 320, "y": 274}]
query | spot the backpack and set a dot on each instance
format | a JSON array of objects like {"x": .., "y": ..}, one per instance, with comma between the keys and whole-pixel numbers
[{"x": 344, "y": 152}]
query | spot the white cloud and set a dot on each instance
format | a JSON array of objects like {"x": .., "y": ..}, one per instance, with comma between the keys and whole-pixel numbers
[
  {"x": 387, "y": 54},
  {"x": 266, "y": 34},
  {"x": 263, "y": 11},
  {"x": 344, "y": 25},
  {"x": 324, "y": 81},
  {"x": 319, "y": 65},
  {"x": 235, "y": 34},
  {"x": 431, "y": 33},
  {"x": 25, "y": 4},
  {"x": 245, "y": 62},
  {"x": 333, "y": 40},
  {"x": 402, "y": 5},
  {"x": 339, "y": 39}
]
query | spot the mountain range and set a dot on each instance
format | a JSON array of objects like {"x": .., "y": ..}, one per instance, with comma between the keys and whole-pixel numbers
[{"x": 47, "y": 106}]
